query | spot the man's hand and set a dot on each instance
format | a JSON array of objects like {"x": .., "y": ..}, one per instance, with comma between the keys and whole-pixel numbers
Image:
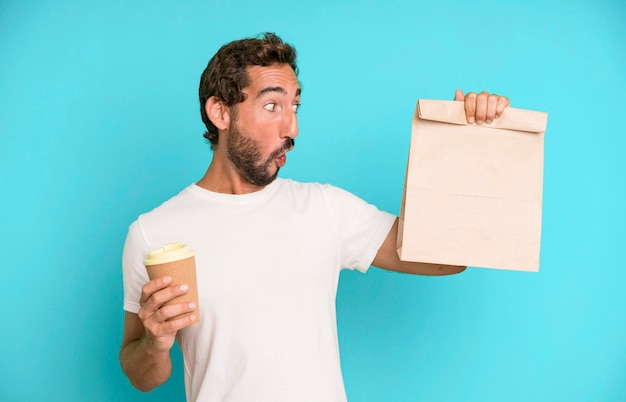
[
  {"x": 157, "y": 319},
  {"x": 483, "y": 107},
  {"x": 150, "y": 334}
]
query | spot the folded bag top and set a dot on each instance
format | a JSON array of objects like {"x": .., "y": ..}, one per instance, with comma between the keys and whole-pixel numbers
[{"x": 453, "y": 112}]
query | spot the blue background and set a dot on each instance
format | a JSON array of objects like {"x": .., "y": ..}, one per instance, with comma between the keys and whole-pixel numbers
[{"x": 99, "y": 122}]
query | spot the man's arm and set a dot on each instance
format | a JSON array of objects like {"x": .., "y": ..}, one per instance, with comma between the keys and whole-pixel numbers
[
  {"x": 387, "y": 258},
  {"x": 149, "y": 336},
  {"x": 145, "y": 367}
]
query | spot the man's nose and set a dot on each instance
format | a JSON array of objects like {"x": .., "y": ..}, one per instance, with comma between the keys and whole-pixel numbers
[{"x": 290, "y": 125}]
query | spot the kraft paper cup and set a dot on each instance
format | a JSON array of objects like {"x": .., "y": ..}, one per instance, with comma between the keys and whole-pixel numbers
[{"x": 178, "y": 262}]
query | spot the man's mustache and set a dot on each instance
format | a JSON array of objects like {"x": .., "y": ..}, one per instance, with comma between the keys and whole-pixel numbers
[{"x": 287, "y": 145}]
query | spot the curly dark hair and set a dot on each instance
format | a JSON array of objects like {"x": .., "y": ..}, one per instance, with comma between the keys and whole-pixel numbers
[{"x": 225, "y": 76}]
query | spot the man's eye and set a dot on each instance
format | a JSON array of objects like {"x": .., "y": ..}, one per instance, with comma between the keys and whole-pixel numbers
[
  {"x": 295, "y": 107},
  {"x": 269, "y": 106}
]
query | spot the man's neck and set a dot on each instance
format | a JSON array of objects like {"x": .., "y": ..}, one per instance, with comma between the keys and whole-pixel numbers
[{"x": 224, "y": 178}]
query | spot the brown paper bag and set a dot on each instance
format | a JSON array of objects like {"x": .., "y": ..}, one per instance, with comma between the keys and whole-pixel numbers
[{"x": 473, "y": 194}]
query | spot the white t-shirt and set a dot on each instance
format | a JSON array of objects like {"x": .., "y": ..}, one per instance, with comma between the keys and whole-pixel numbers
[{"x": 268, "y": 266}]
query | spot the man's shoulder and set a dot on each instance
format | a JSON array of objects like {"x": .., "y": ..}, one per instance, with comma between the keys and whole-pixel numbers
[
  {"x": 179, "y": 201},
  {"x": 313, "y": 190}
]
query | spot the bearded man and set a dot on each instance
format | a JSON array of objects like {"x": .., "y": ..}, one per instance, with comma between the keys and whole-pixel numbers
[{"x": 269, "y": 251}]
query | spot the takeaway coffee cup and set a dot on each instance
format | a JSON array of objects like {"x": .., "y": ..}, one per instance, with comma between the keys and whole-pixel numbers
[{"x": 178, "y": 262}]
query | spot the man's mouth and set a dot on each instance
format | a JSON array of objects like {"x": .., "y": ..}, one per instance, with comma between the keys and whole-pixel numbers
[{"x": 281, "y": 160}]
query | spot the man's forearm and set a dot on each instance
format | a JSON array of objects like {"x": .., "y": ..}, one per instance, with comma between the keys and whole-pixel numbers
[
  {"x": 421, "y": 268},
  {"x": 146, "y": 369},
  {"x": 387, "y": 258}
]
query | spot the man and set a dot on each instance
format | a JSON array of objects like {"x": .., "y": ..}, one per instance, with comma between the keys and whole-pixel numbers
[{"x": 268, "y": 251}]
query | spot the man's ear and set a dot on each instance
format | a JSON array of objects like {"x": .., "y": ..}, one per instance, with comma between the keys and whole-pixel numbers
[{"x": 217, "y": 112}]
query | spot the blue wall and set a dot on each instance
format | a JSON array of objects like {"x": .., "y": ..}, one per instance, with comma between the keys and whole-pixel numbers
[{"x": 99, "y": 122}]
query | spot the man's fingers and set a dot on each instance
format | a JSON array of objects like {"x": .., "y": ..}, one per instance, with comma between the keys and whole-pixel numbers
[
  {"x": 161, "y": 334},
  {"x": 484, "y": 107},
  {"x": 503, "y": 103},
  {"x": 458, "y": 95},
  {"x": 175, "y": 325},
  {"x": 153, "y": 286},
  {"x": 470, "y": 107},
  {"x": 492, "y": 103},
  {"x": 162, "y": 296},
  {"x": 166, "y": 320},
  {"x": 153, "y": 301},
  {"x": 481, "y": 107},
  {"x": 167, "y": 313}
]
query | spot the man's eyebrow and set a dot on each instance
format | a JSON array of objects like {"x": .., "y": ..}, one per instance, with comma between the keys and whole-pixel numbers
[{"x": 280, "y": 90}]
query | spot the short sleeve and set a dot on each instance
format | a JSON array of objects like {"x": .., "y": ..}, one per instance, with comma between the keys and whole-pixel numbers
[
  {"x": 134, "y": 272},
  {"x": 361, "y": 226}
]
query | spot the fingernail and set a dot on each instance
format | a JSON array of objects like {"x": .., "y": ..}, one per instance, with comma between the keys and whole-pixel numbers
[
  {"x": 167, "y": 279},
  {"x": 479, "y": 122},
  {"x": 192, "y": 317},
  {"x": 184, "y": 288},
  {"x": 192, "y": 305},
  {"x": 471, "y": 120},
  {"x": 488, "y": 121}
]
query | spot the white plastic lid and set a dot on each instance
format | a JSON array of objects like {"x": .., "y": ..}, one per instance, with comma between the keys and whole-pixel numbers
[{"x": 168, "y": 253}]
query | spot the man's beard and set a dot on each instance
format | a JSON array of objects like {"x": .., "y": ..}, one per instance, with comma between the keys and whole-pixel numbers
[{"x": 244, "y": 153}]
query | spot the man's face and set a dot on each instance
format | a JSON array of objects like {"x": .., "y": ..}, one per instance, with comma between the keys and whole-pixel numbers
[{"x": 263, "y": 126}]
